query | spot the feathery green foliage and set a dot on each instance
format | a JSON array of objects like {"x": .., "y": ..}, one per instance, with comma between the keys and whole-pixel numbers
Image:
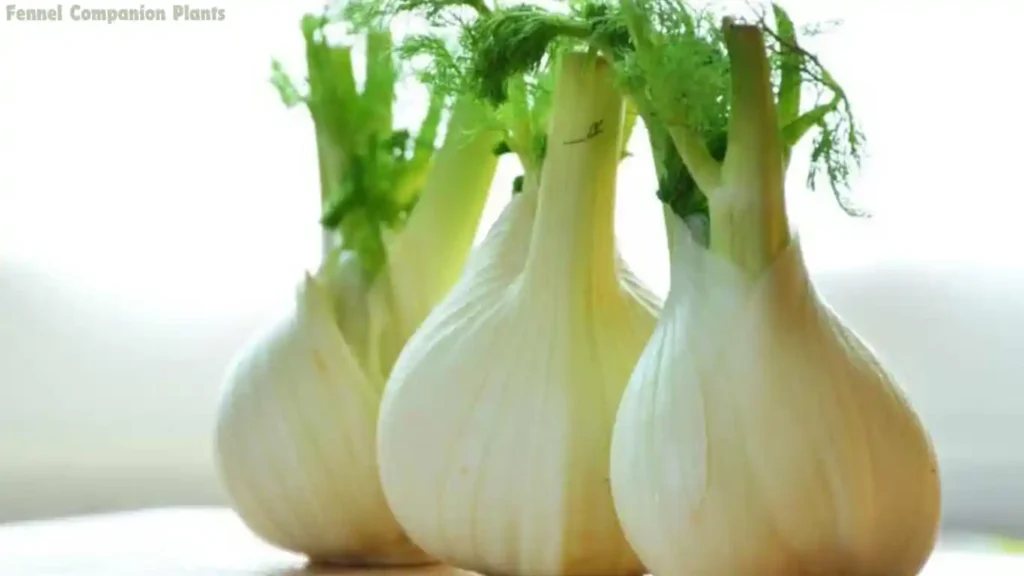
[
  {"x": 511, "y": 43},
  {"x": 670, "y": 59},
  {"x": 449, "y": 57}
]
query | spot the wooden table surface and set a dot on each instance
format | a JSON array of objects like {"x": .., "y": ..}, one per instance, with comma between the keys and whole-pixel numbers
[{"x": 212, "y": 542}]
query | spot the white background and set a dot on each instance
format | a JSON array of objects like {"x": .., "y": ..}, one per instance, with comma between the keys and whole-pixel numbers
[{"x": 158, "y": 203}]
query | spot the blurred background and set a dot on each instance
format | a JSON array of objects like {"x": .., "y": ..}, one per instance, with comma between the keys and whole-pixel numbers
[{"x": 158, "y": 204}]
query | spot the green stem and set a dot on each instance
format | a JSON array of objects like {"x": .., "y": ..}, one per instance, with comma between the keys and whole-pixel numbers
[
  {"x": 414, "y": 174},
  {"x": 427, "y": 135},
  {"x": 669, "y": 217},
  {"x": 749, "y": 225},
  {"x": 479, "y": 6},
  {"x": 628, "y": 125},
  {"x": 791, "y": 68},
  {"x": 796, "y": 129},
  {"x": 446, "y": 217},
  {"x": 705, "y": 170},
  {"x": 636, "y": 22},
  {"x": 332, "y": 101},
  {"x": 521, "y": 135},
  {"x": 331, "y": 160},
  {"x": 573, "y": 234},
  {"x": 379, "y": 91}
]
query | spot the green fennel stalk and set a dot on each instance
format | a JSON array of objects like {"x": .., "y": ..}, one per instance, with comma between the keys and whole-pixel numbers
[
  {"x": 397, "y": 210},
  {"x": 370, "y": 173}
]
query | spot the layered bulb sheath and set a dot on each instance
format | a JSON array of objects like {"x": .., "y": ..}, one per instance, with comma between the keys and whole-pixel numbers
[
  {"x": 296, "y": 431},
  {"x": 295, "y": 441},
  {"x": 758, "y": 435},
  {"x": 495, "y": 425}
]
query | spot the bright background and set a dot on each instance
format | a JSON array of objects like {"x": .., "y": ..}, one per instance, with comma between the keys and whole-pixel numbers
[{"x": 157, "y": 204}]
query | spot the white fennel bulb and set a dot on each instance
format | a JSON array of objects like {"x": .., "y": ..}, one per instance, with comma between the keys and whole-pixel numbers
[
  {"x": 296, "y": 431},
  {"x": 758, "y": 435},
  {"x": 495, "y": 425}
]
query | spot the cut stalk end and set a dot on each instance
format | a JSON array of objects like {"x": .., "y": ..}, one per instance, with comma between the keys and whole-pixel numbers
[{"x": 749, "y": 225}]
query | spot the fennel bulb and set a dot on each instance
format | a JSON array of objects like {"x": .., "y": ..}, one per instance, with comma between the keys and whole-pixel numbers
[
  {"x": 758, "y": 435},
  {"x": 495, "y": 424},
  {"x": 296, "y": 431}
]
